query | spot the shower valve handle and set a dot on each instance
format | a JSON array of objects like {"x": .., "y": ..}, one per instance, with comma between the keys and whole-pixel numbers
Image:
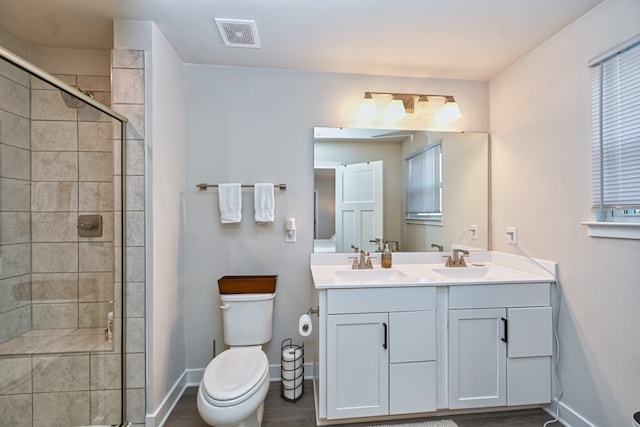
[{"x": 87, "y": 225}]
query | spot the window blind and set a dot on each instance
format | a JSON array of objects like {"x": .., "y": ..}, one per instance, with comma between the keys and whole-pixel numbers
[
  {"x": 424, "y": 183},
  {"x": 615, "y": 105}
]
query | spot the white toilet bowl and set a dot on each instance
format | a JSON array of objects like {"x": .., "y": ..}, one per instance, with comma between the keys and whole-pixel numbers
[{"x": 233, "y": 388}]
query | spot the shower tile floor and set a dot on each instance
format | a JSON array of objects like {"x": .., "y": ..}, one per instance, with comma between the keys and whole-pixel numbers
[{"x": 47, "y": 341}]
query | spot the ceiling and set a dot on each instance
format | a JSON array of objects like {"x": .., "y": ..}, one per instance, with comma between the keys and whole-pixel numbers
[{"x": 459, "y": 39}]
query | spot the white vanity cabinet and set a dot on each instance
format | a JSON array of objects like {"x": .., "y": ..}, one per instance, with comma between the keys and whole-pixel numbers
[
  {"x": 500, "y": 345},
  {"x": 380, "y": 351}
]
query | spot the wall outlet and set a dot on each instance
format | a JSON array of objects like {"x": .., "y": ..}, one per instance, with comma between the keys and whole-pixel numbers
[
  {"x": 290, "y": 236},
  {"x": 512, "y": 235},
  {"x": 474, "y": 232}
]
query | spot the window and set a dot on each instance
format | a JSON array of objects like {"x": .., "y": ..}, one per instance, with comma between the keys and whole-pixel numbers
[
  {"x": 423, "y": 192},
  {"x": 615, "y": 106}
]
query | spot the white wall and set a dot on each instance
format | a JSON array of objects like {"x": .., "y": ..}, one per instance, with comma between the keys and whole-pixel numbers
[
  {"x": 253, "y": 125},
  {"x": 541, "y": 183},
  {"x": 166, "y": 166}
]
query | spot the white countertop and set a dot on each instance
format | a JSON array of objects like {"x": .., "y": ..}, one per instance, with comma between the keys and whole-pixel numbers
[{"x": 331, "y": 271}]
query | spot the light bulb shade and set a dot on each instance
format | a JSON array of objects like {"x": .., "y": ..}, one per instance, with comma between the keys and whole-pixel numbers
[
  {"x": 368, "y": 109},
  {"x": 423, "y": 106},
  {"x": 382, "y": 101},
  {"x": 450, "y": 112},
  {"x": 396, "y": 110},
  {"x": 437, "y": 102}
]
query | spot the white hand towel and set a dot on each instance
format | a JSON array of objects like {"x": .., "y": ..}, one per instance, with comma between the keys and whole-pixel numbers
[
  {"x": 230, "y": 200},
  {"x": 263, "y": 202}
]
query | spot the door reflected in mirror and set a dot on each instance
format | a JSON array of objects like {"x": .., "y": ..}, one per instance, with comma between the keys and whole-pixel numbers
[{"x": 347, "y": 205}]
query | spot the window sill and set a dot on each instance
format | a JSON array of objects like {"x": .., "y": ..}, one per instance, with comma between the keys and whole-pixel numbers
[
  {"x": 614, "y": 230},
  {"x": 426, "y": 221}
]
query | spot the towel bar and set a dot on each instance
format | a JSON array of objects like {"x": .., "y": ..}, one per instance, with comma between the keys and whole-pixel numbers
[{"x": 204, "y": 186}]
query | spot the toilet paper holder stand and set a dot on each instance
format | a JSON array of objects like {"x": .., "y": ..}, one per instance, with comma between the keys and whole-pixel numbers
[
  {"x": 291, "y": 371},
  {"x": 315, "y": 311}
]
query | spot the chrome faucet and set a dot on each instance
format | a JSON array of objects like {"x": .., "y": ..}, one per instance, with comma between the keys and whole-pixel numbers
[
  {"x": 377, "y": 241},
  {"x": 364, "y": 263},
  {"x": 457, "y": 260}
]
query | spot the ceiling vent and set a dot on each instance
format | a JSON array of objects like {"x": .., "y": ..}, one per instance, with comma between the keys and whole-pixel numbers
[{"x": 238, "y": 32}]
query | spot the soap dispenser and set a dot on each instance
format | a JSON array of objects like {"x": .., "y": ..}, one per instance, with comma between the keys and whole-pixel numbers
[{"x": 386, "y": 257}]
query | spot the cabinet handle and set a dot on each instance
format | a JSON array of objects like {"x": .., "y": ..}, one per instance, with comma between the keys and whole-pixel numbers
[
  {"x": 506, "y": 330},
  {"x": 384, "y": 344}
]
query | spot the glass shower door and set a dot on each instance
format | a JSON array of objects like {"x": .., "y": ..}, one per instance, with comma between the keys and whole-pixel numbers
[{"x": 61, "y": 230}]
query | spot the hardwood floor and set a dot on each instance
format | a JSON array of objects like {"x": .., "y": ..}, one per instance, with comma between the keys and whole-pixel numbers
[{"x": 281, "y": 413}]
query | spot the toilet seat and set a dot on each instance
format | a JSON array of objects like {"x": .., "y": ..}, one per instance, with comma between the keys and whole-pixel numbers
[{"x": 235, "y": 375}]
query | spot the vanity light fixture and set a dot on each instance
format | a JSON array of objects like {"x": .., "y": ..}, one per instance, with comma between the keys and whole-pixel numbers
[{"x": 395, "y": 106}]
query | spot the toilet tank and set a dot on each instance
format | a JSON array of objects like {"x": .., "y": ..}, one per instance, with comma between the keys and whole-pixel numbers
[{"x": 247, "y": 319}]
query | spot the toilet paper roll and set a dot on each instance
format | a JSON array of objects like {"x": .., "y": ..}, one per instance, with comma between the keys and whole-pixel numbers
[
  {"x": 291, "y": 354},
  {"x": 291, "y": 362},
  {"x": 304, "y": 325},
  {"x": 293, "y": 388},
  {"x": 291, "y": 375}
]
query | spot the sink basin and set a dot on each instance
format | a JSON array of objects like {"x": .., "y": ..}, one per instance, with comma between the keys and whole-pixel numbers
[
  {"x": 369, "y": 275},
  {"x": 474, "y": 272},
  {"x": 463, "y": 272}
]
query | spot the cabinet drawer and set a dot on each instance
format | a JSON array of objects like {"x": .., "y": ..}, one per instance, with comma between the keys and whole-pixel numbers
[
  {"x": 371, "y": 300},
  {"x": 491, "y": 296}
]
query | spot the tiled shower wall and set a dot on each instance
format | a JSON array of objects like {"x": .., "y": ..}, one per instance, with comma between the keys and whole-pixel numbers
[
  {"x": 128, "y": 96},
  {"x": 72, "y": 173},
  {"x": 15, "y": 202}
]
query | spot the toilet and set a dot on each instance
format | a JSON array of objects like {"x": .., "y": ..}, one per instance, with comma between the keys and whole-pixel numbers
[{"x": 235, "y": 383}]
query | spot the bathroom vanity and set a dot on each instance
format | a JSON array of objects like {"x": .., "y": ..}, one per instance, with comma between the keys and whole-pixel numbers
[{"x": 420, "y": 338}]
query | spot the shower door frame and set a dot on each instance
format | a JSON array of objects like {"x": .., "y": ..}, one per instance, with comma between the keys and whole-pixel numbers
[{"x": 59, "y": 84}]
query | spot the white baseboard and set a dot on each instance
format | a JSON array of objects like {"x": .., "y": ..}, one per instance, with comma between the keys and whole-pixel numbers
[
  {"x": 194, "y": 376},
  {"x": 159, "y": 416},
  {"x": 569, "y": 417}
]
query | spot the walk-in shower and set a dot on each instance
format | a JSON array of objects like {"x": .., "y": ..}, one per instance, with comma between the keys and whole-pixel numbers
[{"x": 61, "y": 246}]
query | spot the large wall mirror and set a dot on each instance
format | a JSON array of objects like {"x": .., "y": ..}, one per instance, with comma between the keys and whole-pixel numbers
[{"x": 360, "y": 190}]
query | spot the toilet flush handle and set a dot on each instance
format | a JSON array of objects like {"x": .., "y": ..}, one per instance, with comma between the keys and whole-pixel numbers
[{"x": 225, "y": 307}]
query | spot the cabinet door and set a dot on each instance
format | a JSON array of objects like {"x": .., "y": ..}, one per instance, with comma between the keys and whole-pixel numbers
[
  {"x": 530, "y": 332},
  {"x": 412, "y": 387},
  {"x": 477, "y": 356},
  {"x": 412, "y": 336},
  {"x": 357, "y": 365},
  {"x": 528, "y": 380}
]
